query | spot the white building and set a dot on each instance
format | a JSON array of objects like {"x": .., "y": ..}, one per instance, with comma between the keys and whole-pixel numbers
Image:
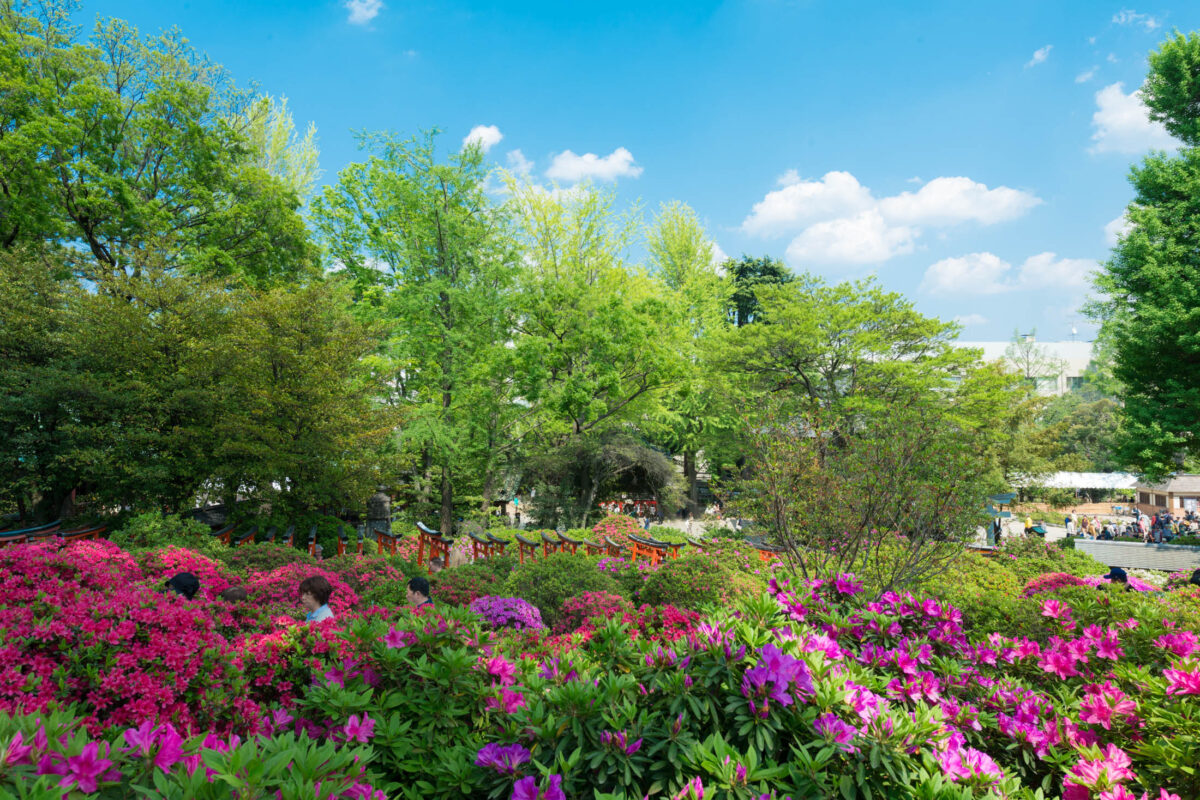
[{"x": 1054, "y": 367}]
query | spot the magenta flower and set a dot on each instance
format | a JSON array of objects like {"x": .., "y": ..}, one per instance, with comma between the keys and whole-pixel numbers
[
  {"x": 359, "y": 730},
  {"x": 508, "y": 702},
  {"x": 527, "y": 789},
  {"x": 18, "y": 752},
  {"x": 1182, "y": 682},
  {"x": 1182, "y": 644},
  {"x": 845, "y": 584},
  {"x": 505, "y": 759},
  {"x": 140, "y": 739},
  {"x": 395, "y": 639},
  {"x": 170, "y": 748},
  {"x": 85, "y": 769},
  {"x": 503, "y": 670},
  {"x": 836, "y": 731}
]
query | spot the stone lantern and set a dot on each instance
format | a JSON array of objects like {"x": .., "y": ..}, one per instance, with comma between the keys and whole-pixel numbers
[{"x": 379, "y": 511}]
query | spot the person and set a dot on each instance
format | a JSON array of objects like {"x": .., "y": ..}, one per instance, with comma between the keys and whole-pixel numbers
[
  {"x": 315, "y": 592},
  {"x": 1117, "y": 575},
  {"x": 185, "y": 584},
  {"x": 418, "y": 592},
  {"x": 1028, "y": 525},
  {"x": 1069, "y": 524},
  {"x": 691, "y": 521},
  {"x": 1195, "y": 579},
  {"x": 234, "y": 594}
]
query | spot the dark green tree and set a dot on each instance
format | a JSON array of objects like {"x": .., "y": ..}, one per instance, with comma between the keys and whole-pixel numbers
[
  {"x": 747, "y": 274},
  {"x": 1150, "y": 309}
]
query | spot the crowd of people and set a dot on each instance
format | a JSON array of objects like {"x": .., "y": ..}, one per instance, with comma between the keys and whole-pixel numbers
[{"x": 1158, "y": 528}]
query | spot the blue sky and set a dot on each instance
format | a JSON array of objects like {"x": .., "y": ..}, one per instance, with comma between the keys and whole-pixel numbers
[{"x": 973, "y": 156}]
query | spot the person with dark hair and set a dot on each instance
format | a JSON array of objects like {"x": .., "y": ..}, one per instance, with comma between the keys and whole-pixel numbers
[
  {"x": 234, "y": 594},
  {"x": 185, "y": 584},
  {"x": 1117, "y": 575},
  {"x": 1195, "y": 579},
  {"x": 314, "y": 596},
  {"x": 418, "y": 592}
]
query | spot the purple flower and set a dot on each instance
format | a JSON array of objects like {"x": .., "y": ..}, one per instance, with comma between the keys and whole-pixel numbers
[
  {"x": 170, "y": 747},
  {"x": 396, "y": 639},
  {"x": 359, "y": 730},
  {"x": 17, "y": 751},
  {"x": 85, "y": 769},
  {"x": 503, "y": 758},
  {"x": 508, "y": 612},
  {"x": 527, "y": 789},
  {"x": 836, "y": 731}
]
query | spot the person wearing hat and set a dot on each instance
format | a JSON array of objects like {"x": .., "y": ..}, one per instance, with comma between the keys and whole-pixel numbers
[
  {"x": 185, "y": 584},
  {"x": 1117, "y": 575}
]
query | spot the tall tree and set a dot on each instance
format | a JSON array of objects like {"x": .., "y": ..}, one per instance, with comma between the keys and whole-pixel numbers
[
  {"x": 596, "y": 343},
  {"x": 126, "y": 143},
  {"x": 697, "y": 407},
  {"x": 1150, "y": 309},
  {"x": 428, "y": 251},
  {"x": 748, "y": 274}
]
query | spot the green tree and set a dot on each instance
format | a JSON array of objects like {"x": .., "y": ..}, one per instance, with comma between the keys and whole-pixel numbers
[
  {"x": 696, "y": 409},
  {"x": 429, "y": 254},
  {"x": 596, "y": 341},
  {"x": 747, "y": 274},
  {"x": 123, "y": 145},
  {"x": 1150, "y": 306}
]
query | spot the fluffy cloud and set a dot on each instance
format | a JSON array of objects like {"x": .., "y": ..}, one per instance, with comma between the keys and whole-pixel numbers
[
  {"x": 1039, "y": 55},
  {"x": 986, "y": 273},
  {"x": 1123, "y": 125},
  {"x": 1086, "y": 76},
  {"x": 486, "y": 136},
  {"x": 719, "y": 256},
  {"x": 1128, "y": 16},
  {"x": 800, "y": 202},
  {"x": 362, "y": 11},
  {"x": 837, "y": 220},
  {"x": 865, "y": 238},
  {"x": 571, "y": 168},
  {"x": 518, "y": 164},
  {"x": 1116, "y": 229},
  {"x": 945, "y": 201}
]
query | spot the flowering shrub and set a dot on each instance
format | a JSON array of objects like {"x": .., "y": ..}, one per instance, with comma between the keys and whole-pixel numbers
[
  {"x": 277, "y": 590},
  {"x": 508, "y": 612},
  {"x": 616, "y": 527},
  {"x": 547, "y": 582},
  {"x": 463, "y": 585},
  {"x": 690, "y": 581},
  {"x": 1050, "y": 582},
  {"x": 263, "y": 557},
  {"x": 160, "y": 564},
  {"x": 591, "y": 605},
  {"x": 50, "y": 756},
  {"x": 362, "y": 573}
]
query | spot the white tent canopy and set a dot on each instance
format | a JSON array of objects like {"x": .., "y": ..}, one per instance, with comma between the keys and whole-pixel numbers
[{"x": 1082, "y": 480}]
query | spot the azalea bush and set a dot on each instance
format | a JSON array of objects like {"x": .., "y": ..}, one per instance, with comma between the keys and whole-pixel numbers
[
  {"x": 508, "y": 612},
  {"x": 690, "y": 581},
  {"x": 278, "y": 590},
  {"x": 263, "y": 557},
  {"x": 547, "y": 582},
  {"x": 616, "y": 527}
]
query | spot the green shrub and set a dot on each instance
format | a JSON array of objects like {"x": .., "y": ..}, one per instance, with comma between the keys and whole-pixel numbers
[
  {"x": 665, "y": 534},
  {"x": 547, "y": 582},
  {"x": 1194, "y": 541},
  {"x": 988, "y": 592},
  {"x": 362, "y": 573},
  {"x": 1067, "y": 543},
  {"x": 458, "y": 586},
  {"x": 154, "y": 530},
  {"x": 691, "y": 581},
  {"x": 263, "y": 557}
]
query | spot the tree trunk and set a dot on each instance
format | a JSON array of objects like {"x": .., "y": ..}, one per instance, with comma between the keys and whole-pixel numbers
[
  {"x": 447, "y": 503},
  {"x": 689, "y": 474}
]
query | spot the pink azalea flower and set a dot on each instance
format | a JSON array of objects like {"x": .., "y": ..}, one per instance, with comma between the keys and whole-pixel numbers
[
  {"x": 508, "y": 702},
  {"x": 359, "y": 730},
  {"x": 85, "y": 769},
  {"x": 18, "y": 753},
  {"x": 1182, "y": 682}
]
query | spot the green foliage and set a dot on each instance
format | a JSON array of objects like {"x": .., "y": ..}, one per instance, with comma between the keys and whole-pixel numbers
[
  {"x": 263, "y": 557},
  {"x": 1151, "y": 285},
  {"x": 154, "y": 530},
  {"x": 547, "y": 582},
  {"x": 690, "y": 581},
  {"x": 749, "y": 275},
  {"x": 460, "y": 585}
]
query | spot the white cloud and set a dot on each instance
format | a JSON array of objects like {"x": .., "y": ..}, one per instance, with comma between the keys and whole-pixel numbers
[
  {"x": 1128, "y": 16},
  {"x": 1046, "y": 271},
  {"x": 1086, "y": 76},
  {"x": 719, "y": 256},
  {"x": 799, "y": 202},
  {"x": 362, "y": 11},
  {"x": 986, "y": 273},
  {"x": 862, "y": 239},
  {"x": 1039, "y": 55},
  {"x": 1112, "y": 58},
  {"x": 486, "y": 136},
  {"x": 974, "y": 273},
  {"x": 826, "y": 215},
  {"x": 1122, "y": 123},
  {"x": 1116, "y": 229},
  {"x": 970, "y": 319},
  {"x": 945, "y": 201},
  {"x": 518, "y": 164},
  {"x": 569, "y": 167}
]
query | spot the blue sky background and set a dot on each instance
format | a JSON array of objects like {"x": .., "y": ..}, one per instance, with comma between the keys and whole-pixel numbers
[{"x": 979, "y": 151}]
